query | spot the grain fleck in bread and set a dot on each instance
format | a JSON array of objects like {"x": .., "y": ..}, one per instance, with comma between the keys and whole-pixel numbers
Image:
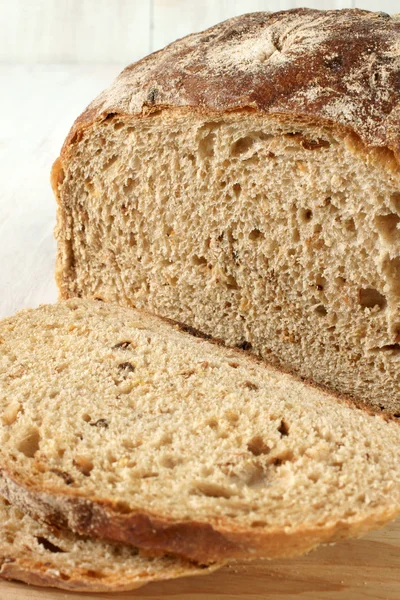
[
  {"x": 42, "y": 555},
  {"x": 245, "y": 180},
  {"x": 117, "y": 424}
]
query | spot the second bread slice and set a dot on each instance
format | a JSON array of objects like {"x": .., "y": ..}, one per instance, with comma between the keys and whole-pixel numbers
[
  {"x": 116, "y": 424},
  {"x": 41, "y": 555}
]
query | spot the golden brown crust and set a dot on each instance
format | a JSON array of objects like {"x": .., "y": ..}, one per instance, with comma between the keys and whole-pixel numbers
[
  {"x": 196, "y": 541},
  {"x": 341, "y": 67}
]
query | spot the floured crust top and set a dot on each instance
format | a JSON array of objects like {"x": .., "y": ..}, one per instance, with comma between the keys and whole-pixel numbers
[{"x": 339, "y": 66}]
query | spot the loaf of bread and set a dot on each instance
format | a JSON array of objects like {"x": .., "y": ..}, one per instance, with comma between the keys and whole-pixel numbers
[
  {"x": 116, "y": 424},
  {"x": 42, "y": 555},
  {"x": 246, "y": 181}
]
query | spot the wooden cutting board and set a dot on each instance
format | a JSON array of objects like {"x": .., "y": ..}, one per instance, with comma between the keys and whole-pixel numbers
[{"x": 366, "y": 569}]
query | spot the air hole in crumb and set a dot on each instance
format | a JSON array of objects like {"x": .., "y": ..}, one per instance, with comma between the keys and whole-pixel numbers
[
  {"x": 213, "y": 490},
  {"x": 126, "y": 345},
  {"x": 320, "y": 310},
  {"x": 148, "y": 475},
  {"x": 128, "y": 186},
  {"x": 73, "y": 306},
  {"x": 165, "y": 440},
  {"x": 83, "y": 464},
  {"x": 389, "y": 227},
  {"x": 234, "y": 365},
  {"x": 391, "y": 269},
  {"x": 241, "y": 146},
  {"x": 231, "y": 283},
  {"x": 369, "y": 297},
  {"x": 244, "y": 345},
  {"x": 127, "y": 367},
  {"x": 213, "y": 423},
  {"x": 320, "y": 283},
  {"x": 305, "y": 215},
  {"x": 237, "y": 188},
  {"x": 101, "y": 423},
  {"x": 47, "y": 545},
  {"x": 199, "y": 260},
  {"x": 118, "y": 125},
  {"x": 170, "y": 462},
  {"x": 395, "y": 201},
  {"x": 110, "y": 162},
  {"x": 395, "y": 348},
  {"x": 256, "y": 235},
  {"x": 283, "y": 428},
  {"x": 89, "y": 186},
  {"x": 281, "y": 458},
  {"x": 206, "y": 146},
  {"x": 29, "y": 445},
  {"x": 350, "y": 225},
  {"x": 249, "y": 385},
  {"x": 232, "y": 417},
  {"x": 340, "y": 281},
  {"x": 257, "y": 446}
]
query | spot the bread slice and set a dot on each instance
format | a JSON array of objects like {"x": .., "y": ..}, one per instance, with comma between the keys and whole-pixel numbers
[
  {"x": 117, "y": 424},
  {"x": 245, "y": 180},
  {"x": 42, "y": 555}
]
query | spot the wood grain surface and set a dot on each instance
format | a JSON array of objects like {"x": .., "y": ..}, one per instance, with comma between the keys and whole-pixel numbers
[{"x": 365, "y": 569}]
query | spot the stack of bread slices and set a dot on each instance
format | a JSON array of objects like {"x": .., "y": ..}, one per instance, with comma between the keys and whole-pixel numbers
[{"x": 220, "y": 378}]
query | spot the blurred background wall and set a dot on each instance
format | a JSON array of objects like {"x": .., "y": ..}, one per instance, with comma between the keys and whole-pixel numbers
[{"x": 120, "y": 31}]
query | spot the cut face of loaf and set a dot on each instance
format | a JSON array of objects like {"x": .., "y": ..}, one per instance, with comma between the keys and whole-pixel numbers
[
  {"x": 42, "y": 555},
  {"x": 270, "y": 233},
  {"x": 116, "y": 424}
]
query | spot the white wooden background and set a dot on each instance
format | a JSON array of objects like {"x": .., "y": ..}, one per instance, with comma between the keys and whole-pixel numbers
[{"x": 120, "y": 31}]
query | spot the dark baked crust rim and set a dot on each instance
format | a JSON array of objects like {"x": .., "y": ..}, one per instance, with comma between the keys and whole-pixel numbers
[{"x": 196, "y": 541}]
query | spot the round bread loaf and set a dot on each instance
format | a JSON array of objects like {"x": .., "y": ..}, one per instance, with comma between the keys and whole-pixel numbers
[{"x": 245, "y": 180}]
